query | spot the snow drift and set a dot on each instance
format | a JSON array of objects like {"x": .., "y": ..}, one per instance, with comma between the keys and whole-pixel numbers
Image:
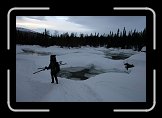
[{"x": 113, "y": 84}]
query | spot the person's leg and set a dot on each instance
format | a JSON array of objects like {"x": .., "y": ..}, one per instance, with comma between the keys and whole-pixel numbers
[
  {"x": 52, "y": 78},
  {"x": 55, "y": 75}
]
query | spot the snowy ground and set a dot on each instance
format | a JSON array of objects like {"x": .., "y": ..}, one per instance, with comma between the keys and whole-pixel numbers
[{"x": 108, "y": 81}]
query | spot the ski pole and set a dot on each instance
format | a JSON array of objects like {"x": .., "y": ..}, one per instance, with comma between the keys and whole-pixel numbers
[
  {"x": 39, "y": 71},
  {"x": 41, "y": 68}
]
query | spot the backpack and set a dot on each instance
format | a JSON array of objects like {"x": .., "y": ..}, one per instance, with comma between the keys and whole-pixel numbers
[{"x": 57, "y": 67}]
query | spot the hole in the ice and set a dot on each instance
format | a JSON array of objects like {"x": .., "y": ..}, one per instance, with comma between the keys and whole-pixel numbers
[
  {"x": 79, "y": 73},
  {"x": 83, "y": 73},
  {"x": 117, "y": 56}
]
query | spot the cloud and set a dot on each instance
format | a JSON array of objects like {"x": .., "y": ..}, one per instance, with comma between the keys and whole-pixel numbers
[
  {"x": 82, "y": 24},
  {"x": 32, "y": 17},
  {"x": 111, "y": 23},
  {"x": 30, "y": 23},
  {"x": 37, "y": 17},
  {"x": 62, "y": 17},
  {"x": 59, "y": 23}
]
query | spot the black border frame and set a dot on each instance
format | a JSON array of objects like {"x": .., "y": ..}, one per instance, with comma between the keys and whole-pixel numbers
[{"x": 108, "y": 105}]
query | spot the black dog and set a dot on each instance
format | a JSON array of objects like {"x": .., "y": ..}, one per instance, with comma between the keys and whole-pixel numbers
[{"x": 127, "y": 65}]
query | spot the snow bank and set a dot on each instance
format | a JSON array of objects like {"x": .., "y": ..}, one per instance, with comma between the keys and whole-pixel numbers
[
  {"x": 143, "y": 49},
  {"x": 114, "y": 85}
]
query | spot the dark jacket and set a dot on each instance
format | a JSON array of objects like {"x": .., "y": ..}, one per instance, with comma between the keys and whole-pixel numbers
[{"x": 54, "y": 66}]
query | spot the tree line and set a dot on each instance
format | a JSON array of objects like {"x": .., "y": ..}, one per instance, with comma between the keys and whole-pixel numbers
[{"x": 133, "y": 39}]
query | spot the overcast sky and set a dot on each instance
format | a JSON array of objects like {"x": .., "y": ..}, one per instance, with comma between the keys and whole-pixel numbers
[{"x": 81, "y": 24}]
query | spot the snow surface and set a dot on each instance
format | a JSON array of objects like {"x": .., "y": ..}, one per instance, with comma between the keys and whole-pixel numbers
[{"x": 115, "y": 84}]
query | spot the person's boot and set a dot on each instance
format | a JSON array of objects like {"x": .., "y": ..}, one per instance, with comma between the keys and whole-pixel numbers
[{"x": 52, "y": 81}]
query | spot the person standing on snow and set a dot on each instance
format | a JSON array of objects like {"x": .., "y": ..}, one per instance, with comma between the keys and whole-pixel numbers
[{"x": 55, "y": 68}]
